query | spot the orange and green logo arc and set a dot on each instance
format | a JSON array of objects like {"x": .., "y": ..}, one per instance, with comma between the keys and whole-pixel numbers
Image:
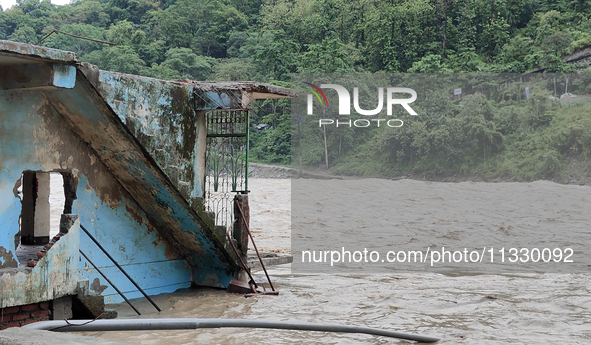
[{"x": 316, "y": 93}]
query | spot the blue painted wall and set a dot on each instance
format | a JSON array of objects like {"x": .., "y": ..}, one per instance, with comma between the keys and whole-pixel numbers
[
  {"x": 176, "y": 220},
  {"x": 162, "y": 117},
  {"x": 58, "y": 269},
  {"x": 168, "y": 118},
  {"x": 33, "y": 136}
]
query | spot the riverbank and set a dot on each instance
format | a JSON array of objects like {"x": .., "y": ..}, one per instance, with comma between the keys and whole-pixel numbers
[
  {"x": 259, "y": 170},
  {"x": 580, "y": 175}
]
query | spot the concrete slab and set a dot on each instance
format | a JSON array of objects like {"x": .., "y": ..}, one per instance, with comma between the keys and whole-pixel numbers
[
  {"x": 26, "y": 252},
  {"x": 269, "y": 259},
  {"x": 24, "y": 336},
  {"x": 32, "y": 52}
]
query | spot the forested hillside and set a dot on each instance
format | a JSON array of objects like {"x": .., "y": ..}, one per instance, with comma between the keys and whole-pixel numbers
[{"x": 266, "y": 40}]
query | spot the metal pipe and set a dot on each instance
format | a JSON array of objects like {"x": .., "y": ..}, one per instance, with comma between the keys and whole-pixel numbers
[
  {"x": 238, "y": 255},
  {"x": 247, "y": 149},
  {"x": 254, "y": 244},
  {"x": 196, "y": 323},
  {"x": 110, "y": 282},
  {"x": 119, "y": 267}
]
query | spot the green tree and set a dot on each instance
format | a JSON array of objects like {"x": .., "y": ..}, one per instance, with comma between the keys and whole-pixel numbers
[
  {"x": 329, "y": 56},
  {"x": 161, "y": 72},
  {"x": 234, "y": 69},
  {"x": 480, "y": 129},
  {"x": 24, "y": 34},
  {"x": 119, "y": 59},
  {"x": 188, "y": 64},
  {"x": 429, "y": 64}
]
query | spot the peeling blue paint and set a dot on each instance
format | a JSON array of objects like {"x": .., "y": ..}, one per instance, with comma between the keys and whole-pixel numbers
[
  {"x": 162, "y": 117},
  {"x": 64, "y": 76},
  {"x": 136, "y": 147},
  {"x": 28, "y": 143},
  {"x": 137, "y": 249},
  {"x": 53, "y": 277}
]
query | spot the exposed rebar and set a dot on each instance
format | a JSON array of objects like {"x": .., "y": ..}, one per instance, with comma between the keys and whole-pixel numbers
[
  {"x": 119, "y": 267},
  {"x": 109, "y": 282},
  {"x": 75, "y": 36}
]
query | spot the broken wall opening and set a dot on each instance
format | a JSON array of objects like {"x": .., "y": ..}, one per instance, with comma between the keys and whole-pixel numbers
[
  {"x": 35, "y": 214},
  {"x": 44, "y": 196}
]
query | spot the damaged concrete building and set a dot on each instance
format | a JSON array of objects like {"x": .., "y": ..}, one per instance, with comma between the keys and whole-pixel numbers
[{"x": 136, "y": 156}]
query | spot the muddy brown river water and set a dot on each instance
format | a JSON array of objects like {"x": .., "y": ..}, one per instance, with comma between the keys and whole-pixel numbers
[{"x": 532, "y": 308}]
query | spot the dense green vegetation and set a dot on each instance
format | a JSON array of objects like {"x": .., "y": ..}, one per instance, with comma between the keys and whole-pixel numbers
[
  {"x": 266, "y": 40},
  {"x": 493, "y": 131}
]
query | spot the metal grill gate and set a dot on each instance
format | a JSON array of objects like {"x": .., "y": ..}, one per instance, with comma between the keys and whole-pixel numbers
[{"x": 227, "y": 162}]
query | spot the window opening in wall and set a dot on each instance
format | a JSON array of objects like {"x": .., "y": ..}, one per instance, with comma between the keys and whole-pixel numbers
[
  {"x": 57, "y": 199},
  {"x": 44, "y": 197},
  {"x": 35, "y": 208}
]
